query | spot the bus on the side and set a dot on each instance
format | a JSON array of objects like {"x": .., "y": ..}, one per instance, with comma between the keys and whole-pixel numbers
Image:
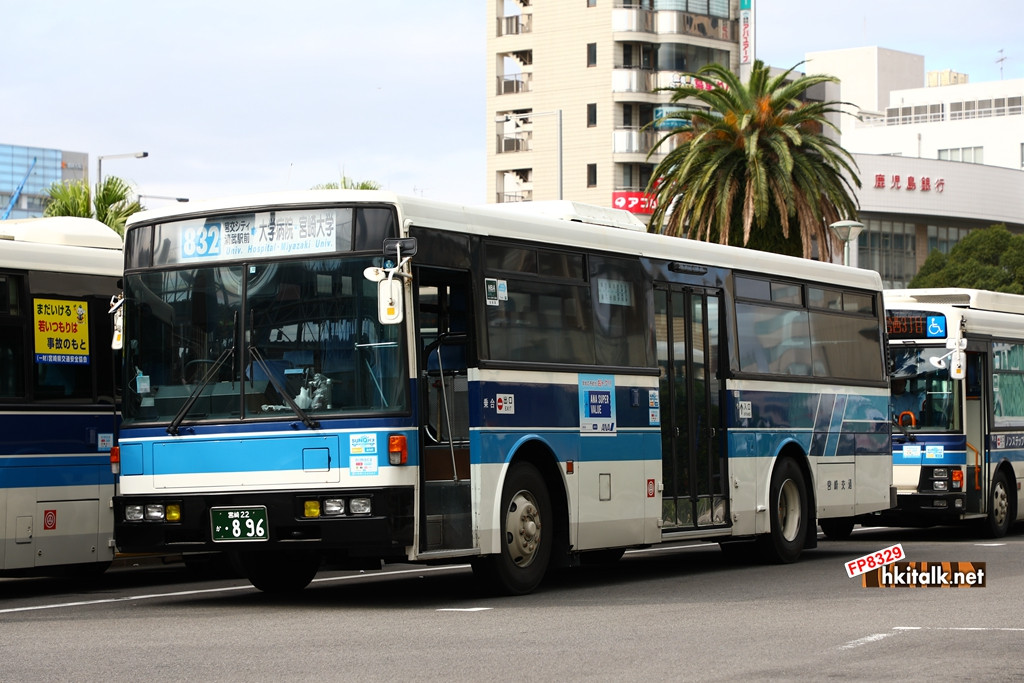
[
  {"x": 349, "y": 378},
  {"x": 58, "y": 411},
  {"x": 957, "y": 407}
]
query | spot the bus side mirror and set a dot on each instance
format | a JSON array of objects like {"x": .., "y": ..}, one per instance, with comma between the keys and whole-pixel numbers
[{"x": 390, "y": 301}]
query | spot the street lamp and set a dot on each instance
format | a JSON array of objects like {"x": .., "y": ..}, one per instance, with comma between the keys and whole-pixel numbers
[
  {"x": 846, "y": 231},
  {"x": 99, "y": 162},
  {"x": 156, "y": 196},
  {"x": 505, "y": 118}
]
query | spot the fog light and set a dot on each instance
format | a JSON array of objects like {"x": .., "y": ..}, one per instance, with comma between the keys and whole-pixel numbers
[
  {"x": 958, "y": 503},
  {"x": 334, "y": 506},
  {"x": 311, "y": 508},
  {"x": 359, "y": 506},
  {"x": 173, "y": 513},
  {"x": 133, "y": 513},
  {"x": 939, "y": 486},
  {"x": 154, "y": 512}
]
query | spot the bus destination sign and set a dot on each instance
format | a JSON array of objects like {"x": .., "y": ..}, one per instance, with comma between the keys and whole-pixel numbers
[{"x": 915, "y": 325}]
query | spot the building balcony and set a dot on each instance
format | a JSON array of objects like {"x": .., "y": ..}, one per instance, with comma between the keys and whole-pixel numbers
[
  {"x": 515, "y": 142},
  {"x": 632, "y": 140},
  {"x": 511, "y": 197},
  {"x": 632, "y": 79},
  {"x": 515, "y": 83},
  {"x": 515, "y": 25},
  {"x": 632, "y": 19}
]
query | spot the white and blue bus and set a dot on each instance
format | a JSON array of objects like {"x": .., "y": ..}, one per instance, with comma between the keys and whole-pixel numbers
[
  {"x": 58, "y": 411},
  {"x": 958, "y": 407},
  {"x": 358, "y": 377}
]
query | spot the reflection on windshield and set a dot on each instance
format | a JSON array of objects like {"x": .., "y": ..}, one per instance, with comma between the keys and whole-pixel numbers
[
  {"x": 924, "y": 398},
  {"x": 305, "y": 337}
]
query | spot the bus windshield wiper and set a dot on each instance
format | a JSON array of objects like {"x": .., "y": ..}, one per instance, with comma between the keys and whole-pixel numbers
[
  {"x": 255, "y": 354},
  {"x": 907, "y": 435},
  {"x": 303, "y": 415},
  {"x": 172, "y": 428}
]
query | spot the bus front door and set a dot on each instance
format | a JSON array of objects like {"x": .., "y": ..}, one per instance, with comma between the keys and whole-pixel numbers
[
  {"x": 444, "y": 359},
  {"x": 693, "y": 452}
]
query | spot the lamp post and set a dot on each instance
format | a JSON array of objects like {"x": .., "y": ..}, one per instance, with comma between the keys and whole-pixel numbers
[
  {"x": 99, "y": 162},
  {"x": 505, "y": 118},
  {"x": 156, "y": 196},
  {"x": 847, "y": 231}
]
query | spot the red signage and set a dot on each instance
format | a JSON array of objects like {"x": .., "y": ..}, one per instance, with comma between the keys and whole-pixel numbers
[
  {"x": 635, "y": 202},
  {"x": 909, "y": 183},
  {"x": 49, "y": 520}
]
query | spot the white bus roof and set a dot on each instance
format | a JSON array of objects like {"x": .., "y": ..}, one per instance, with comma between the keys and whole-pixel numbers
[
  {"x": 977, "y": 299},
  {"x": 567, "y": 224},
  {"x": 63, "y": 244}
]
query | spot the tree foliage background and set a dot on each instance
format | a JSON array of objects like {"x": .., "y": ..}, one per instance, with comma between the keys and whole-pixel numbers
[
  {"x": 991, "y": 259},
  {"x": 111, "y": 202},
  {"x": 752, "y": 166}
]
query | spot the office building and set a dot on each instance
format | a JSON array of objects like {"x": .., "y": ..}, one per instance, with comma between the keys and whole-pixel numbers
[{"x": 28, "y": 172}]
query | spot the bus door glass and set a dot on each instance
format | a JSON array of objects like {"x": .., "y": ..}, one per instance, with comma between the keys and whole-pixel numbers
[
  {"x": 693, "y": 455},
  {"x": 443, "y": 328}
]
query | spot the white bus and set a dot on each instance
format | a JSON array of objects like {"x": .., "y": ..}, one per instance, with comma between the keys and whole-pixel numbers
[
  {"x": 57, "y": 393},
  {"x": 958, "y": 406},
  {"x": 358, "y": 377}
]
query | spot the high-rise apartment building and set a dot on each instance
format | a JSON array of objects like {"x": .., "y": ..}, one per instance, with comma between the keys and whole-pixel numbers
[{"x": 573, "y": 85}]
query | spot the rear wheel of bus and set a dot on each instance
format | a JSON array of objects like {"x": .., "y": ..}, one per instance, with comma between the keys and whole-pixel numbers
[
  {"x": 280, "y": 571},
  {"x": 787, "y": 508},
  {"x": 1000, "y": 509},
  {"x": 526, "y": 532}
]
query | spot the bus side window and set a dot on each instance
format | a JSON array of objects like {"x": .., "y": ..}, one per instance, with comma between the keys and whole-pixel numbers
[{"x": 974, "y": 376}]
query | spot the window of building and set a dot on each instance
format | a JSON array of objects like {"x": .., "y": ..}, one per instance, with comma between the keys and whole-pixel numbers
[
  {"x": 591, "y": 54},
  {"x": 591, "y": 115},
  {"x": 591, "y": 175},
  {"x": 591, "y": 3},
  {"x": 970, "y": 155}
]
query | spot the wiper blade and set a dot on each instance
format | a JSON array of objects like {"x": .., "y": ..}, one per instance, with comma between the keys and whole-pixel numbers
[
  {"x": 303, "y": 415},
  {"x": 172, "y": 428}
]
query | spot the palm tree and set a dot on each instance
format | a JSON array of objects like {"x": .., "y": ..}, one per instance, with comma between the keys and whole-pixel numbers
[
  {"x": 347, "y": 183},
  {"x": 753, "y": 154},
  {"x": 111, "y": 203}
]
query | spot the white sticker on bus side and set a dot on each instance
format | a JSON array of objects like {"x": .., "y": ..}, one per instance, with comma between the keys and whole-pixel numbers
[{"x": 362, "y": 465}]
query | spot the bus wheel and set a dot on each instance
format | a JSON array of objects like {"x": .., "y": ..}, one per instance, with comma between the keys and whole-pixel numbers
[
  {"x": 999, "y": 508},
  {"x": 787, "y": 506},
  {"x": 837, "y": 528},
  {"x": 526, "y": 543},
  {"x": 280, "y": 571}
]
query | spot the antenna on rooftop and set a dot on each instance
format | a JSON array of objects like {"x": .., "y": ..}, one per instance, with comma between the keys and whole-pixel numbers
[{"x": 1002, "y": 58}]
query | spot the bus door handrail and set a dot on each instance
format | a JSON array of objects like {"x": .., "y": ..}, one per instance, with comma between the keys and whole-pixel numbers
[{"x": 435, "y": 346}]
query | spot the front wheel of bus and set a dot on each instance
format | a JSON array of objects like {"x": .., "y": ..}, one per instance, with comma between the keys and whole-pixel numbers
[
  {"x": 1000, "y": 511},
  {"x": 280, "y": 572},
  {"x": 787, "y": 506},
  {"x": 526, "y": 541}
]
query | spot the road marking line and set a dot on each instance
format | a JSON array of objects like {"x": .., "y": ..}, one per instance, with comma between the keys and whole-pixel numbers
[
  {"x": 207, "y": 591},
  {"x": 465, "y": 609},
  {"x": 873, "y": 638}
]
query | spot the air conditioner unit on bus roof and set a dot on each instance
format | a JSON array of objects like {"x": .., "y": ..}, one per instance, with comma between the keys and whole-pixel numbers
[{"x": 568, "y": 210}]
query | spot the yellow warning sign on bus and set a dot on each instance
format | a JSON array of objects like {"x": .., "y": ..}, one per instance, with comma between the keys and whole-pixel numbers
[{"x": 61, "y": 331}]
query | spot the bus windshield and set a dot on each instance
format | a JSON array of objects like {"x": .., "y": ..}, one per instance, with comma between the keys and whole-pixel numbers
[
  {"x": 255, "y": 340},
  {"x": 924, "y": 398}
]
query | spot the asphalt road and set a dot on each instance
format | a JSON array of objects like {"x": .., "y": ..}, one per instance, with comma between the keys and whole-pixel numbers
[{"x": 685, "y": 612}]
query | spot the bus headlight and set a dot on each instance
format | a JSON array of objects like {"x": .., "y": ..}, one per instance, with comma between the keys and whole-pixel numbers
[
  {"x": 334, "y": 506},
  {"x": 154, "y": 511},
  {"x": 133, "y": 513},
  {"x": 359, "y": 506},
  {"x": 172, "y": 513},
  {"x": 939, "y": 486}
]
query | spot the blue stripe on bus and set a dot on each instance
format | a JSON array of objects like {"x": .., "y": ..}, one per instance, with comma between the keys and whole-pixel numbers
[
  {"x": 27, "y": 433},
  {"x": 39, "y": 471},
  {"x": 930, "y": 449},
  {"x": 490, "y": 447}
]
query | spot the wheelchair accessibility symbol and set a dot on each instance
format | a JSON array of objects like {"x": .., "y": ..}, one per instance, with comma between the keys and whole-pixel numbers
[{"x": 936, "y": 327}]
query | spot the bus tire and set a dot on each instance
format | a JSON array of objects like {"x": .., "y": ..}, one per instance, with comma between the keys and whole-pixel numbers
[
  {"x": 787, "y": 509},
  {"x": 527, "y": 535},
  {"x": 280, "y": 572},
  {"x": 837, "y": 528},
  {"x": 1000, "y": 508}
]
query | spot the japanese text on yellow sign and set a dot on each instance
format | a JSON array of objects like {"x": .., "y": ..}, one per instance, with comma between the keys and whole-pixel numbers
[{"x": 61, "y": 331}]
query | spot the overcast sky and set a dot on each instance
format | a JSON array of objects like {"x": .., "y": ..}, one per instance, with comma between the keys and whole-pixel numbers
[{"x": 230, "y": 96}]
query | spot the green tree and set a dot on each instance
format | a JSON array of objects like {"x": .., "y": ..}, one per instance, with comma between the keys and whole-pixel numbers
[
  {"x": 992, "y": 259},
  {"x": 347, "y": 183},
  {"x": 751, "y": 160},
  {"x": 111, "y": 204}
]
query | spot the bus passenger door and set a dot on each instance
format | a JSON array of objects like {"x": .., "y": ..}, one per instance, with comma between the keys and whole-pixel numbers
[
  {"x": 693, "y": 438},
  {"x": 978, "y": 472},
  {"x": 445, "y": 348}
]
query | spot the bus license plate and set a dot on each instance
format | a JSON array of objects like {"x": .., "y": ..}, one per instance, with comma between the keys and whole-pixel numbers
[{"x": 239, "y": 523}]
